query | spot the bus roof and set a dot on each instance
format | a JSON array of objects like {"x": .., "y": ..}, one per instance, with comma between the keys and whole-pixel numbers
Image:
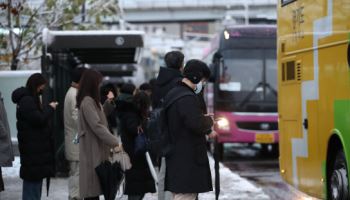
[
  {"x": 250, "y": 31},
  {"x": 227, "y": 38}
]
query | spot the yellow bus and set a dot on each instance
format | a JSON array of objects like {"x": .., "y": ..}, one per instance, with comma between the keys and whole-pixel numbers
[{"x": 314, "y": 95}]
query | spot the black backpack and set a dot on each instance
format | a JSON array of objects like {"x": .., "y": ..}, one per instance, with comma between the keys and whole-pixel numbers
[{"x": 160, "y": 141}]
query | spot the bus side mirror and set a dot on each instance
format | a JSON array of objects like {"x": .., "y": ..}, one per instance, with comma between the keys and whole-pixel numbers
[{"x": 213, "y": 72}]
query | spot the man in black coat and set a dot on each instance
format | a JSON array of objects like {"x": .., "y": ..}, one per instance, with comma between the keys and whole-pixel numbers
[
  {"x": 168, "y": 76},
  {"x": 187, "y": 166},
  {"x": 167, "y": 79}
]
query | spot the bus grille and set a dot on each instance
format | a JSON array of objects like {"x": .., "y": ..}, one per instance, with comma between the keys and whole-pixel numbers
[{"x": 258, "y": 126}]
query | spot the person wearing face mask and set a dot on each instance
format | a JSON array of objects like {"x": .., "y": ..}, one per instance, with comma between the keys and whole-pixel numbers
[
  {"x": 34, "y": 136},
  {"x": 187, "y": 165},
  {"x": 200, "y": 89}
]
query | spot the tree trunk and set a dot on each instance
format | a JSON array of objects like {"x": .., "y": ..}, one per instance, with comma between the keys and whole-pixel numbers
[{"x": 14, "y": 64}]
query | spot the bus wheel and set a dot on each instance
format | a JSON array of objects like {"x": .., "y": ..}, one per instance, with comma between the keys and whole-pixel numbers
[{"x": 338, "y": 182}]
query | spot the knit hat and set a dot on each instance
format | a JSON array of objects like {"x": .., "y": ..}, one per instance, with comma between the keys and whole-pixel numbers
[{"x": 194, "y": 70}]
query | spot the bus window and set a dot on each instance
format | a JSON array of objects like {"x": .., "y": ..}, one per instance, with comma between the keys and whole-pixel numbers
[{"x": 243, "y": 68}]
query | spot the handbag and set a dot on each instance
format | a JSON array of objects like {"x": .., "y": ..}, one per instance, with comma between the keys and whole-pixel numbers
[
  {"x": 140, "y": 143},
  {"x": 122, "y": 158}
]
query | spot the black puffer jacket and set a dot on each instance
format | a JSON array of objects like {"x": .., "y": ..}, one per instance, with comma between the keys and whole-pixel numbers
[
  {"x": 34, "y": 136},
  {"x": 138, "y": 179},
  {"x": 166, "y": 80}
]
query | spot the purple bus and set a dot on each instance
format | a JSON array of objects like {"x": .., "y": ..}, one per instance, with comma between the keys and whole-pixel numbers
[{"x": 243, "y": 90}]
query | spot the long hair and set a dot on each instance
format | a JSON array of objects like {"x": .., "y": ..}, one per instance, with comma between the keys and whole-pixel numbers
[
  {"x": 142, "y": 103},
  {"x": 89, "y": 86},
  {"x": 33, "y": 83}
]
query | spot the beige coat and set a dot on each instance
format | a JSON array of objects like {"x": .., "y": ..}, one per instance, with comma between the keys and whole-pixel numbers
[
  {"x": 71, "y": 125},
  {"x": 94, "y": 144}
]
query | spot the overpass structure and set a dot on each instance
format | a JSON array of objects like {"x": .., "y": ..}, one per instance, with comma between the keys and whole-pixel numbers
[{"x": 150, "y": 11}]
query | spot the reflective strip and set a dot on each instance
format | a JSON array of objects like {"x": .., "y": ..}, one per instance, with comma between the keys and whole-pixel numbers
[{"x": 254, "y": 114}]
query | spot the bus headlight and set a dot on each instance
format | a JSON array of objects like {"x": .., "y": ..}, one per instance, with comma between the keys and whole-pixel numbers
[{"x": 223, "y": 124}]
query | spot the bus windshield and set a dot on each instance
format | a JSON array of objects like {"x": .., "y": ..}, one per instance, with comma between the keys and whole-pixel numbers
[{"x": 248, "y": 76}]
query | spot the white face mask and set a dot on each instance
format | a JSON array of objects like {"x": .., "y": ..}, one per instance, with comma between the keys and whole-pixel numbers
[{"x": 199, "y": 87}]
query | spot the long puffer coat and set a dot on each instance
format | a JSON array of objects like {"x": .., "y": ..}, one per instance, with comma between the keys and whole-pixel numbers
[{"x": 34, "y": 136}]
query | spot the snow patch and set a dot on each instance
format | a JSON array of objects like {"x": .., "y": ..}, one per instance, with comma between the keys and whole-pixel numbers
[
  {"x": 12, "y": 171},
  {"x": 232, "y": 186}
]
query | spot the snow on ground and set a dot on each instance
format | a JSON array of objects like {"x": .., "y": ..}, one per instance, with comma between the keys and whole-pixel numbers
[
  {"x": 12, "y": 171},
  {"x": 233, "y": 187}
]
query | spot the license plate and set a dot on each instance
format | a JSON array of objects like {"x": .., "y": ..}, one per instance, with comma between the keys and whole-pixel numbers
[{"x": 264, "y": 138}]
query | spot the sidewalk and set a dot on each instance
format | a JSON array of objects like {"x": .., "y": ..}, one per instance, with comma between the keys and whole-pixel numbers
[{"x": 233, "y": 187}]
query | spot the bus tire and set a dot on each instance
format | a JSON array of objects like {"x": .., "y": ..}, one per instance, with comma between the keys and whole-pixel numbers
[{"x": 338, "y": 178}]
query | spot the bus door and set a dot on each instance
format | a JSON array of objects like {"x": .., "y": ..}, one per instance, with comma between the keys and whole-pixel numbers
[{"x": 298, "y": 122}]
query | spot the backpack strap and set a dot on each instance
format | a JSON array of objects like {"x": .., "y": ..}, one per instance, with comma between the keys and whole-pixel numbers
[{"x": 177, "y": 97}]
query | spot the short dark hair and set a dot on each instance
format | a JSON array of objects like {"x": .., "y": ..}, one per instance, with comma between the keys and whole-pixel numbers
[
  {"x": 174, "y": 59},
  {"x": 77, "y": 73},
  {"x": 128, "y": 88},
  {"x": 206, "y": 71},
  {"x": 194, "y": 70},
  {"x": 89, "y": 86},
  {"x": 145, "y": 86},
  {"x": 105, "y": 89}
]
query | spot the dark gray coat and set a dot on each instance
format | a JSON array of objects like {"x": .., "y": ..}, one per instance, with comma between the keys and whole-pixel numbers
[
  {"x": 187, "y": 167},
  {"x": 6, "y": 151}
]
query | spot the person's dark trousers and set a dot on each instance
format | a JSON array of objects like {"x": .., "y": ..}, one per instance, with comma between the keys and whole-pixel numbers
[
  {"x": 92, "y": 198},
  {"x": 2, "y": 187},
  {"x": 32, "y": 190},
  {"x": 136, "y": 196}
]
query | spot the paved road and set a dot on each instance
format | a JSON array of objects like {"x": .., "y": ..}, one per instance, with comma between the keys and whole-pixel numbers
[{"x": 262, "y": 170}]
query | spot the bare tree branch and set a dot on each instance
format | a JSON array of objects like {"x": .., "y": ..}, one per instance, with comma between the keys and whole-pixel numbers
[{"x": 32, "y": 39}]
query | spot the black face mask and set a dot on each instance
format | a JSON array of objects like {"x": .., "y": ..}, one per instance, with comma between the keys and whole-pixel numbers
[{"x": 40, "y": 92}]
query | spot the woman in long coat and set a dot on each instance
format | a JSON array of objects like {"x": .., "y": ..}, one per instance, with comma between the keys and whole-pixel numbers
[
  {"x": 132, "y": 114},
  {"x": 34, "y": 136},
  {"x": 95, "y": 140}
]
